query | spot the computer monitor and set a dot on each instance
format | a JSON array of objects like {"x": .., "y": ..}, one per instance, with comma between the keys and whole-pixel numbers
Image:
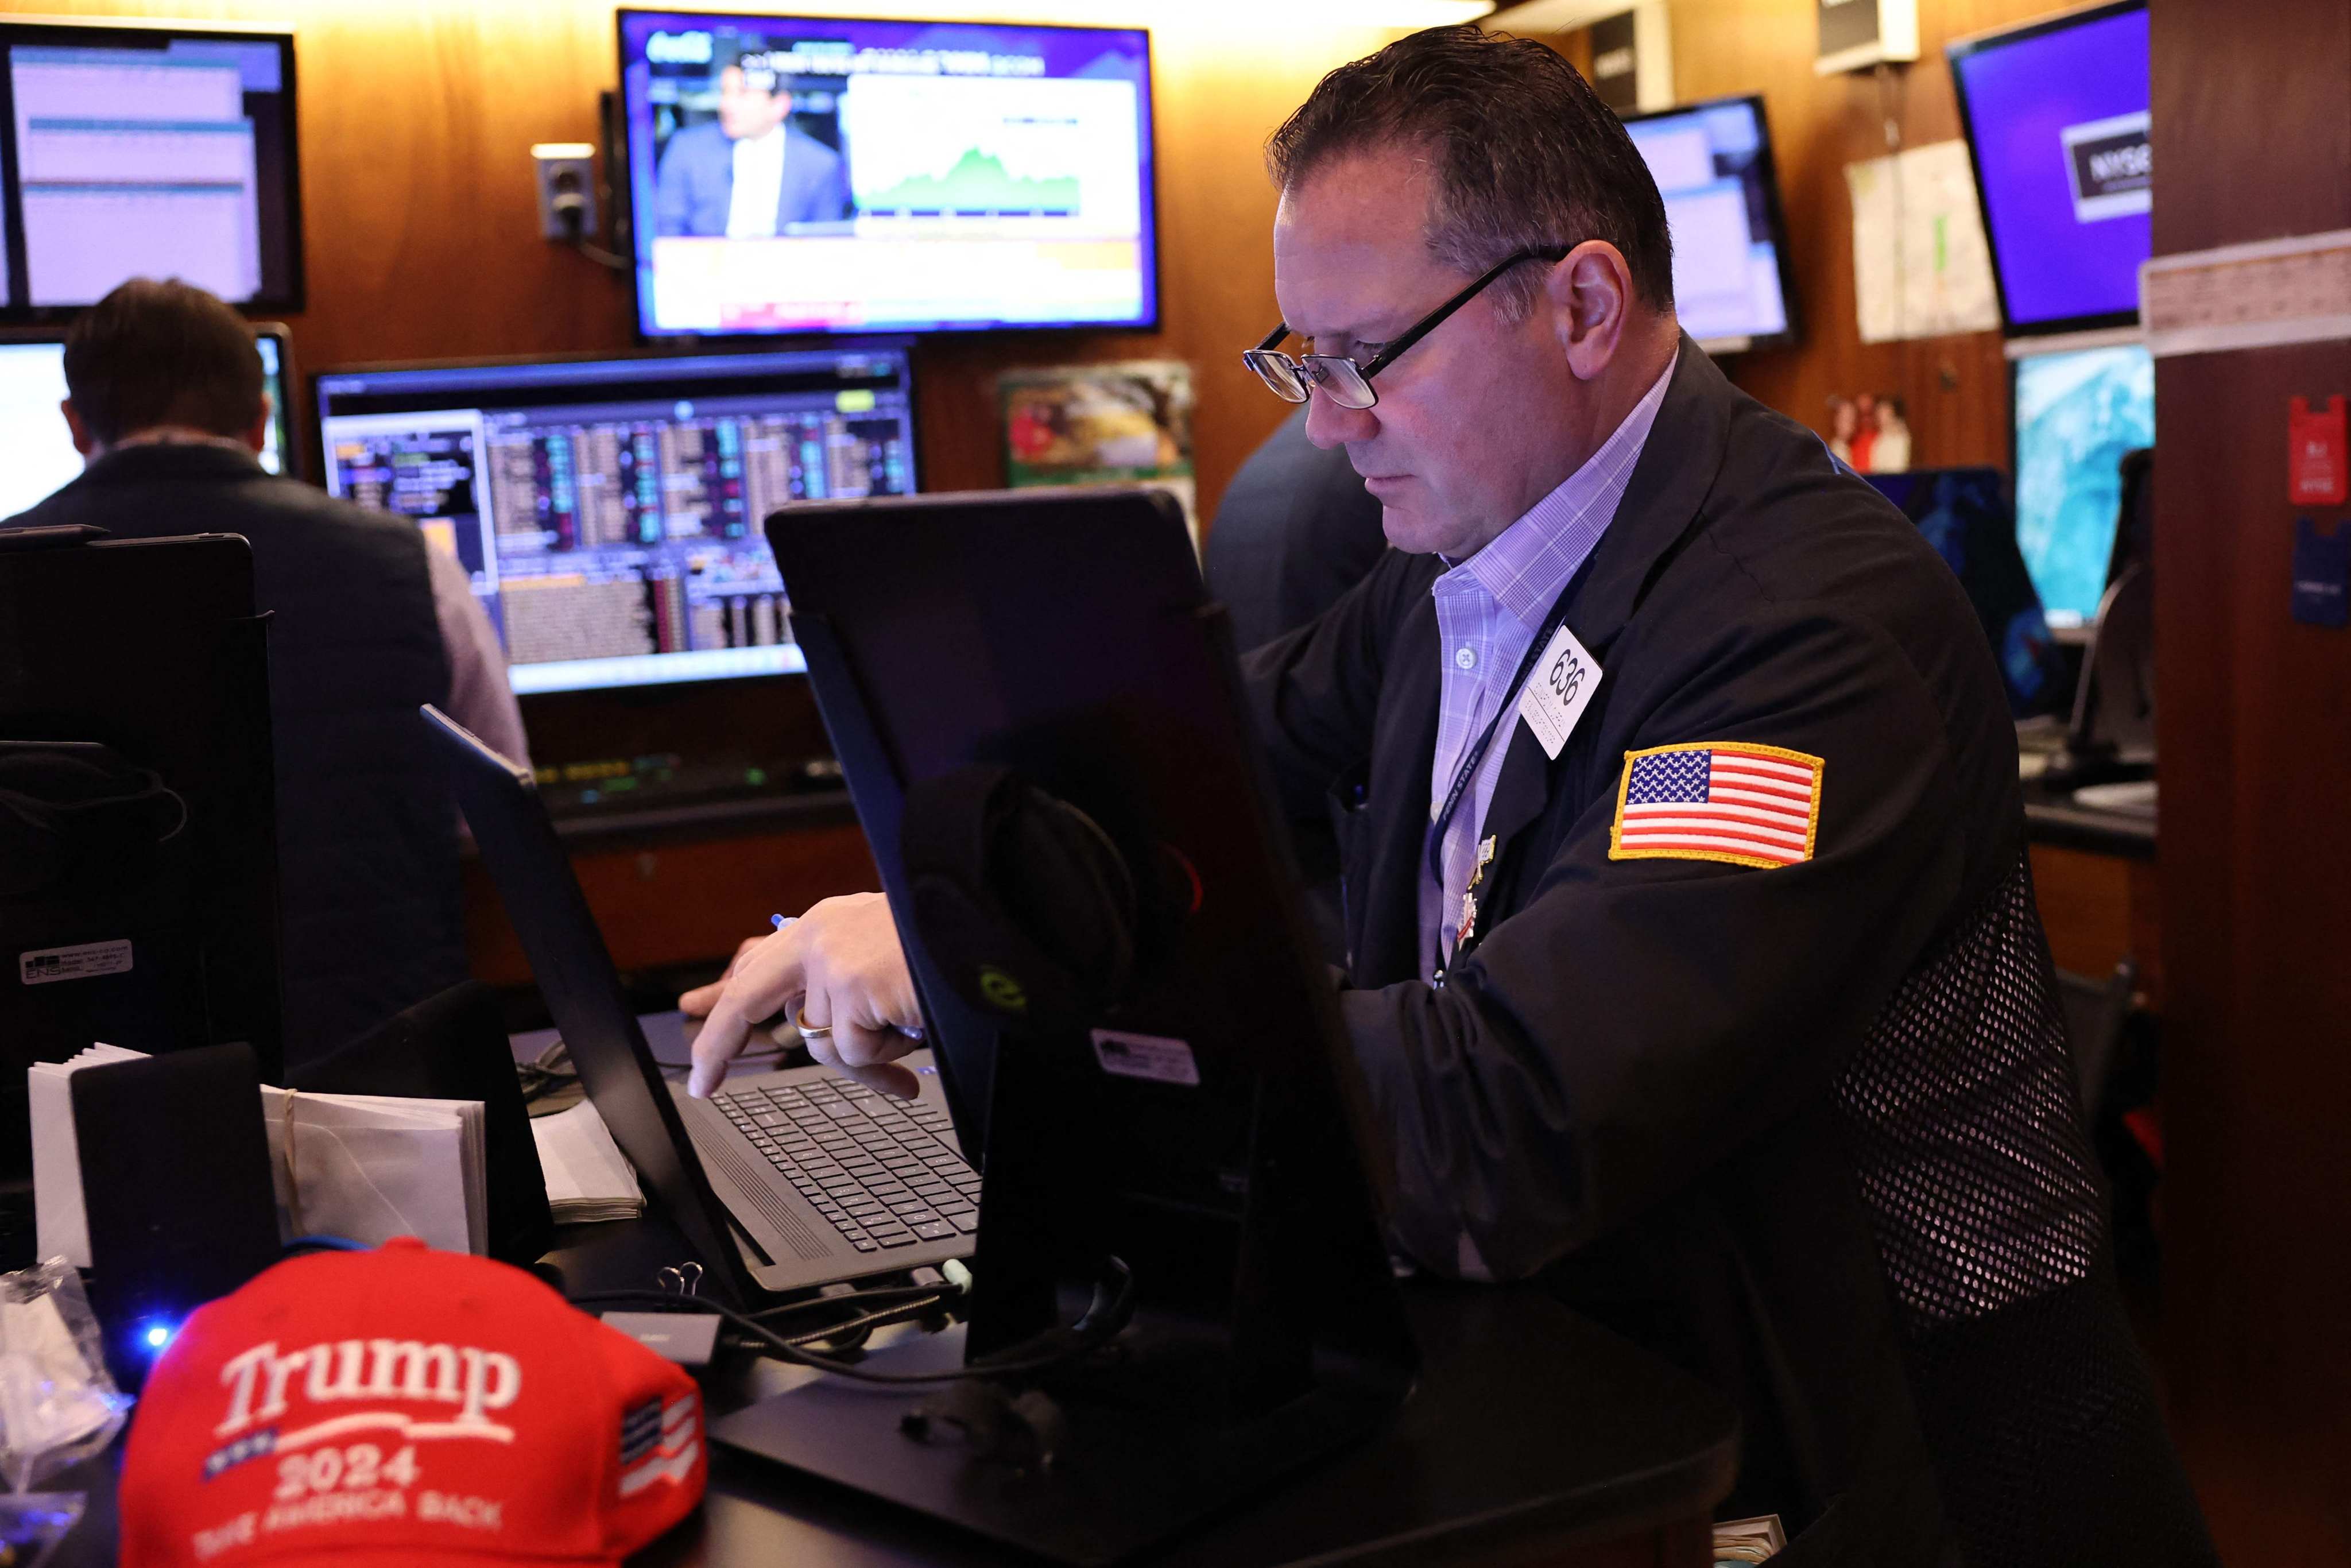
[
  {"x": 821, "y": 174},
  {"x": 1733, "y": 286},
  {"x": 2056, "y": 117},
  {"x": 138, "y": 149},
  {"x": 36, "y": 453},
  {"x": 1965, "y": 514},
  {"x": 608, "y": 510},
  {"x": 2077, "y": 412}
]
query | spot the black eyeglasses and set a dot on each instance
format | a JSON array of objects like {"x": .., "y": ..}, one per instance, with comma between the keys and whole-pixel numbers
[{"x": 1347, "y": 383}]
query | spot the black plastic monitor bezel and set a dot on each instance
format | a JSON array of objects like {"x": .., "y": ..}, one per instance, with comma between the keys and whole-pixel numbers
[
  {"x": 1981, "y": 43},
  {"x": 751, "y": 342},
  {"x": 1793, "y": 333},
  {"x": 99, "y": 33}
]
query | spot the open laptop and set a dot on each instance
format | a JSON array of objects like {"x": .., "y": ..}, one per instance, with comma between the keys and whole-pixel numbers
[{"x": 783, "y": 1180}]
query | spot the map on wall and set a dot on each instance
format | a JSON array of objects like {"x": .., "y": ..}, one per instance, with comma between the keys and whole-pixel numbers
[{"x": 1920, "y": 266}]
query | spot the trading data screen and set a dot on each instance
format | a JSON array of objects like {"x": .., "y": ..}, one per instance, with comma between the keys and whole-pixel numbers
[
  {"x": 2076, "y": 414},
  {"x": 37, "y": 452},
  {"x": 608, "y": 513},
  {"x": 797, "y": 174},
  {"x": 141, "y": 152},
  {"x": 2057, "y": 117},
  {"x": 1712, "y": 164}
]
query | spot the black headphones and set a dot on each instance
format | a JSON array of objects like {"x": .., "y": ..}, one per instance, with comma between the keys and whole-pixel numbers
[
  {"x": 76, "y": 812},
  {"x": 1021, "y": 898}
]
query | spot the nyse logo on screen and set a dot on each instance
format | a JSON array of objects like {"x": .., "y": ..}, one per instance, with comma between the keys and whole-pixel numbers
[{"x": 2108, "y": 165}]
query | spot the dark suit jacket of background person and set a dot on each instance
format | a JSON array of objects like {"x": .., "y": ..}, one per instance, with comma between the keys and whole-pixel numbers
[
  {"x": 1807, "y": 1131},
  {"x": 1295, "y": 530},
  {"x": 693, "y": 187},
  {"x": 367, "y": 827}
]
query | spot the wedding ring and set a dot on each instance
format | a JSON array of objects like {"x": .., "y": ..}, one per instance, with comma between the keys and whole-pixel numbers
[{"x": 808, "y": 1031}]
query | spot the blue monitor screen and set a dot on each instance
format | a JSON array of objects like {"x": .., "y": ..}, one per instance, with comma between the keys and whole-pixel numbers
[
  {"x": 811, "y": 174},
  {"x": 2057, "y": 117},
  {"x": 609, "y": 512},
  {"x": 1712, "y": 164},
  {"x": 2076, "y": 414}
]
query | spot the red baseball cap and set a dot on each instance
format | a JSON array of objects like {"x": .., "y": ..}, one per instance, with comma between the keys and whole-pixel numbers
[{"x": 405, "y": 1406}]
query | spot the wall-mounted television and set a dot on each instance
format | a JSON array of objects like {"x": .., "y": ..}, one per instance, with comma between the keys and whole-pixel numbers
[
  {"x": 131, "y": 149},
  {"x": 1733, "y": 287},
  {"x": 2056, "y": 119},
  {"x": 2076, "y": 412},
  {"x": 796, "y": 174}
]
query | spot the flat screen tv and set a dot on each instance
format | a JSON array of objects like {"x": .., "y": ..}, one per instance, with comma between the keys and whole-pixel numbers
[
  {"x": 1733, "y": 287},
  {"x": 135, "y": 149},
  {"x": 2056, "y": 118},
  {"x": 2077, "y": 412},
  {"x": 799, "y": 174}
]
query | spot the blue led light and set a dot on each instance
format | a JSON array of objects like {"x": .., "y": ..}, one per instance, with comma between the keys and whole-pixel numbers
[{"x": 157, "y": 1336}]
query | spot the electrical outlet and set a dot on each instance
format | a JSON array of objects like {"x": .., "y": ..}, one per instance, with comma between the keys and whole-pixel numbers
[{"x": 566, "y": 189}]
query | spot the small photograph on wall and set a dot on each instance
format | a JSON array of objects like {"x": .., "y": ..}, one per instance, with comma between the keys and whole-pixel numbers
[
  {"x": 1869, "y": 433},
  {"x": 1123, "y": 423}
]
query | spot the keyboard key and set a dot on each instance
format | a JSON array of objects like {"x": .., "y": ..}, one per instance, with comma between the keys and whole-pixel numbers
[
  {"x": 903, "y": 1239},
  {"x": 935, "y": 1231},
  {"x": 966, "y": 1220},
  {"x": 865, "y": 1244}
]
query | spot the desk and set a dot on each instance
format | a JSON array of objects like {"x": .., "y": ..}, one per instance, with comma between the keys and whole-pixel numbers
[
  {"x": 2093, "y": 875},
  {"x": 1533, "y": 1437}
]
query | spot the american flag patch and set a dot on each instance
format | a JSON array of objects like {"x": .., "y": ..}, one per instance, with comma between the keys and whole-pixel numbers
[{"x": 1748, "y": 805}]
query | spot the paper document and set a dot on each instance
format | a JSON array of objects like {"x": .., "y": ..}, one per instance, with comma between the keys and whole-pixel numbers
[
  {"x": 364, "y": 1167},
  {"x": 1920, "y": 266},
  {"x": 588, "y": 1177},
  {"x": 58, "y": 1217}
]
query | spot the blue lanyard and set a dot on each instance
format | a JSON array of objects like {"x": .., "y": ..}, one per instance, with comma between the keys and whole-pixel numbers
[{"x": 1477, "y": 753}]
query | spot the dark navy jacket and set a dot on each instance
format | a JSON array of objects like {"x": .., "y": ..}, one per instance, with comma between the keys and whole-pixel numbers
[
  {"x": 1809, "y": 1130},
  {"x": 367, "y": 826}
]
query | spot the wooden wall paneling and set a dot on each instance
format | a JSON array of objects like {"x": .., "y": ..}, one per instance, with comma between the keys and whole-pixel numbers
[
  {"x": 1954, "y": 388},
  {"x": 421, "y": 211},
  {"x": 681, "y": 903},
  {"x": 2255, "y": 734}
]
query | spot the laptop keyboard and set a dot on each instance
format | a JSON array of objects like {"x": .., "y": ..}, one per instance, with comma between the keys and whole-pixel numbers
[{"x": 885, "y": 1172}]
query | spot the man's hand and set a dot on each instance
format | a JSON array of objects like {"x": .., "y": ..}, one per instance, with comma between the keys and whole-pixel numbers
[{"x": 840, "y": 962}]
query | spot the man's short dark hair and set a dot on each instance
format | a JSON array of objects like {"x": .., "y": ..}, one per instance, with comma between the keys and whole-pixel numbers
[
  {"x": 154, "y": 353},
  {"x": 1525, "y": 154}
]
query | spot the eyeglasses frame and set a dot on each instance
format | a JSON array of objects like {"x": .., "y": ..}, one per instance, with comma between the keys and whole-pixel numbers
[{"x": 1396, "y": 350}]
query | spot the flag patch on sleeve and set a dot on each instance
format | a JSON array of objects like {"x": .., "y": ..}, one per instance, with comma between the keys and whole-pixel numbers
[{"x": 1748, "y": 805}]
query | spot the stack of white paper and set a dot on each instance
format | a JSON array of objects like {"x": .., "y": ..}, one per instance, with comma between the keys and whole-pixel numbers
[
  {"x": 364, "y": 1167},
  {"x": 588, "y": 1177}
]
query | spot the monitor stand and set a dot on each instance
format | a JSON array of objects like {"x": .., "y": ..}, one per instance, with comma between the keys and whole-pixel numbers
[{"x": 1245, "y": 1362}]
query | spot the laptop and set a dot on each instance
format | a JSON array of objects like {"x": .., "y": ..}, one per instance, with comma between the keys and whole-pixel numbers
[{"x": 783, "y": 1180}]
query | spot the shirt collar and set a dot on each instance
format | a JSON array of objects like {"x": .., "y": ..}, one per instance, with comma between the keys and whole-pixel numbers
[{"x": 1525, "y": 566}]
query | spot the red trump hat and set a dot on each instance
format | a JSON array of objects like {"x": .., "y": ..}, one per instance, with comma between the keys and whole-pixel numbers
[{"x": 405, "y": 1406}]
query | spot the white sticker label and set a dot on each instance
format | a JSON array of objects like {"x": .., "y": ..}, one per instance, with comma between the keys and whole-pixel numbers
[
  {"x": 1557, "y": 691},
  {"x": 80, "y": 963},
  {"x": 1151, "y": 1056}
]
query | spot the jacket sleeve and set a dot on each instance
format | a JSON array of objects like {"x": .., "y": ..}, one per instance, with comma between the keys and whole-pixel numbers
[
  {"x": 1314, "y": 693},
  {"x": 1634, "y": 1020}
]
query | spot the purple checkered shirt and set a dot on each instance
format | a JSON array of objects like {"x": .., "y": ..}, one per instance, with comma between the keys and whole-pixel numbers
[{"x": 1488, "y": 609}]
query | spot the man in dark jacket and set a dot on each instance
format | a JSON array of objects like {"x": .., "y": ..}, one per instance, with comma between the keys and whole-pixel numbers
[
  {"x": 167, "y": 406},
  {"x": 1694, "y": 968}
]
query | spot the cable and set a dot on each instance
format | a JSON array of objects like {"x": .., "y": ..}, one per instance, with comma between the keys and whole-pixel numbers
[{"x": 1100, "y": 1324}]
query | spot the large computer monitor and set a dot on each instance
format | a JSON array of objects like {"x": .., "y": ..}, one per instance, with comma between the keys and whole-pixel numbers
[
  {"x": 608, "y": 510},
  {"x": 37, "y": 454},
  {"x": 2056, "y": 116},
  {"x": 137, "y": 149},
  {"x": 819, "y": 174},
  {"x": 1733, "y": 286},
  {"x": 1965, "y": 513},
  {"x": 2077, "y": 412}
]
